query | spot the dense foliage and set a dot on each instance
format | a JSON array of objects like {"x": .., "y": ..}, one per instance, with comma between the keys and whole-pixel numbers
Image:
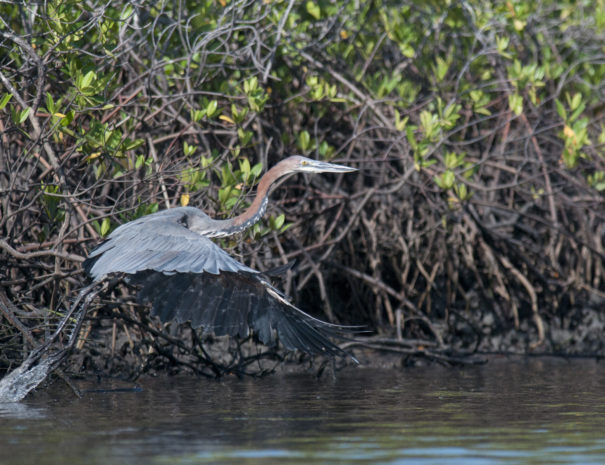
[{"x": 476, "y": 220}]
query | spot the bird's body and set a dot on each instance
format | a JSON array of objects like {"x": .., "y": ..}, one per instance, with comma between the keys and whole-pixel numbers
[{"x": 187, "y": 277}]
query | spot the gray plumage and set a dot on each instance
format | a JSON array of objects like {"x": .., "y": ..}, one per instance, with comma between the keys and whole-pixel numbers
[
  {"x": 187, "y": 277},
  {"x": 164, "y": 241}
]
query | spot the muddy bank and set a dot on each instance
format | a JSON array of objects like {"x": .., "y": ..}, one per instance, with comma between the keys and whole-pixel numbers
[{"x": 112, "y": 351}]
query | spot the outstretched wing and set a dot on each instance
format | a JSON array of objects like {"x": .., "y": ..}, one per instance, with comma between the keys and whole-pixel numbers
[
  {"x": 187, "y": 277},
  {"x": 234, "y": 304}
]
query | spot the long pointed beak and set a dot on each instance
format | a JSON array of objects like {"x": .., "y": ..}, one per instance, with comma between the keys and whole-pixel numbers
[{"x": 324, "y": 167}]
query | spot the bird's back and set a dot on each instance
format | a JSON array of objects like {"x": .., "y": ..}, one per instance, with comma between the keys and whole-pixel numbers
[{"x": 165, "y": 241}]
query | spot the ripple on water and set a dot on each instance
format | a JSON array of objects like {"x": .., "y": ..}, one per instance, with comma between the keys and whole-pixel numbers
[{"x": 529, "y": 411}]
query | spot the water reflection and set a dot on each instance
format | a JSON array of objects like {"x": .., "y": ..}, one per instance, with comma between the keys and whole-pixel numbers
[
  {"x": 535, "y": 411},
  {"x": 21, "y": 411}
]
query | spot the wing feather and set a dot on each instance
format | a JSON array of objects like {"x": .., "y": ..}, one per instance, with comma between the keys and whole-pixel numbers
[
  {"x": 186, "y": 277},
  {"x": 233, "y": 304},
  {"x": 160, "y": 243}
]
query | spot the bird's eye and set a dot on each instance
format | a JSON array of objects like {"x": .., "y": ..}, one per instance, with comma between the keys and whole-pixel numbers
[{"x": 183, "y": 220}]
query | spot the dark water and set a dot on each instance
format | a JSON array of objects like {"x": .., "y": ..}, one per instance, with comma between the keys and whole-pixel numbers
[{"x": 535, "y": 411}]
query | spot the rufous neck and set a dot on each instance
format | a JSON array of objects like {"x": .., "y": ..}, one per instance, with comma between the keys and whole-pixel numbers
[{"x": 259, "y": 205}]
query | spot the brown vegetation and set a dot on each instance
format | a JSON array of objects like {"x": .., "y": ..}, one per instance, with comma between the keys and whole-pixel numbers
[{"x": 474, "y": 224}]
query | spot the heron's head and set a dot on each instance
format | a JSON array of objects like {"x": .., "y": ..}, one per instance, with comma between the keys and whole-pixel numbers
[{"x": 299, "y": 164}]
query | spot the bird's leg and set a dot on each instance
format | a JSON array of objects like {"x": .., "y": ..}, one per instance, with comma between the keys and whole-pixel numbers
[{"x": 38, "y": 364}]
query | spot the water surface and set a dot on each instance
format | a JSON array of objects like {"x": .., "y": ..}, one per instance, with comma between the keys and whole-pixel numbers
[{"x": 529, "y": 411}]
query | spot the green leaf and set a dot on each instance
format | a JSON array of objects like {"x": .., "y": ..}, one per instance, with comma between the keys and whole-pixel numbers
[
  {"x": 105, "y": 225},
  {"x": 409, "y": 132},
  {"x": 69, "y": 117},
  {"x": 428, "y": 120},
  {"x": 515, "y": 103},
  {"x": 244, "y": 167},
  {"x": 230, "y": 202},
  {"x": 575, "y": 101},
  {"x": 304, "y": 140},
  {"x": 197, "y": 115},
  {"x": 578, "y": 111},
  {"x": 238, "y": 116},
  {"x": 600, "y": 186},
  {"x": 244, "y": 136},
  {"x": 453, "y": 160},
  {"x": 211, "y": 108},
  {"x": 279, "y": 221},
  {"x": 601, "y": 138},
  {"x": 256, "y": 169},
  {"x": 126, "y": 13},
  {"x": 448, "y": 179},
  {"x": 235, "y": 114},
  {"x": 50, "y": 104},
  {"x": 502, "y": 45},
  {"x": 87, "y": 80},
  {"x": 561, "y": 109},
  {"x": 130, "y": 144},
  {"x": 23, "y": 115},
  {"x": 188, "y": 150},
  {"x": 5, "y": 100},
  {"x": 313, "y": 9},
  {"x": 400, "y": 123},
  {"x": 251, "y": 85},
  {"x": 407, "y": 50},
  {"x": 442, "y": 68},
  {"x": 462, "y": 192}
]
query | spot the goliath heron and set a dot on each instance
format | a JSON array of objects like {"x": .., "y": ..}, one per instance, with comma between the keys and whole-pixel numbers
[{"x": 187, "y": 277}]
